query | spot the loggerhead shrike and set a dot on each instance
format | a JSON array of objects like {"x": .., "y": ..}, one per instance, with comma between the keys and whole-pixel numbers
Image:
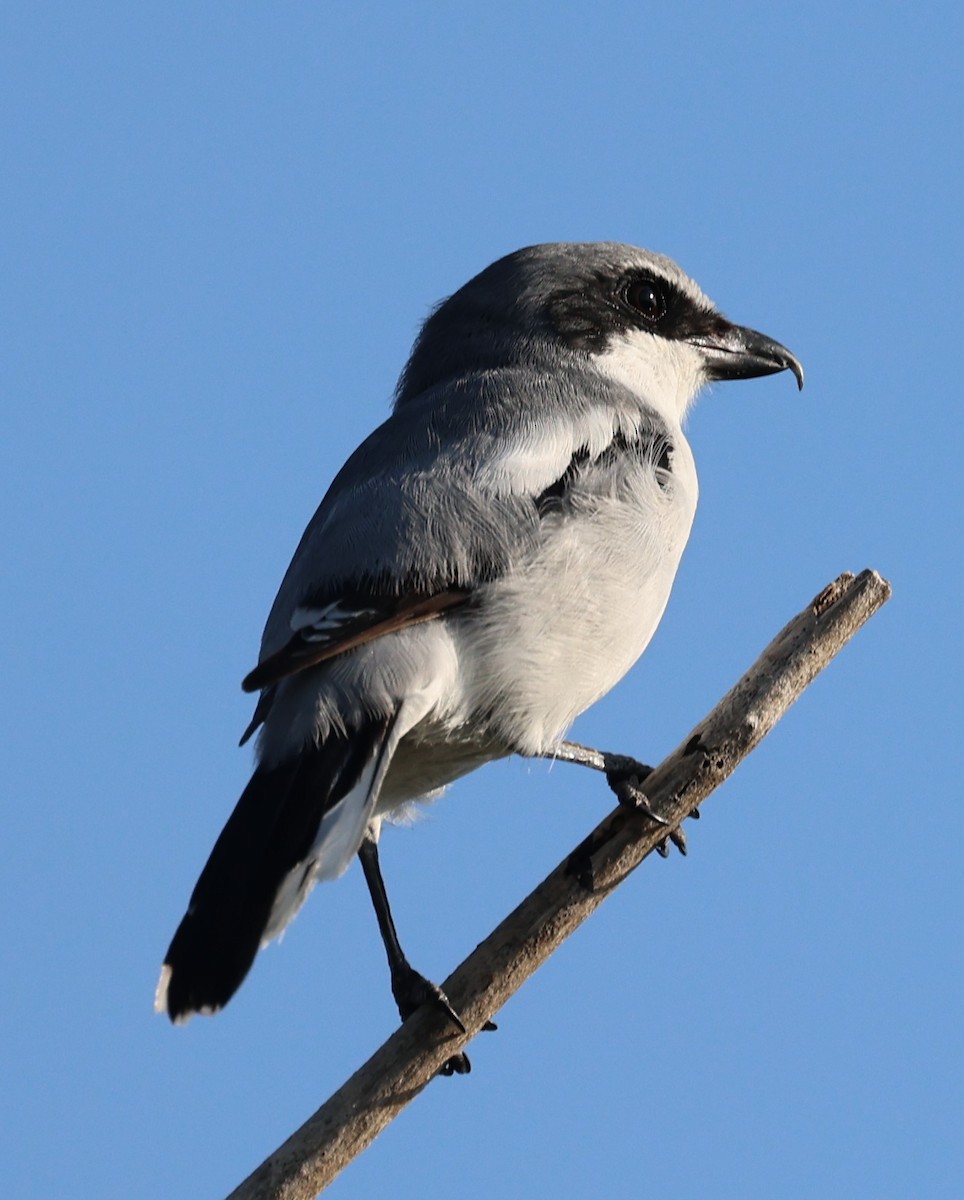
[{"x": 486, "y": 565}]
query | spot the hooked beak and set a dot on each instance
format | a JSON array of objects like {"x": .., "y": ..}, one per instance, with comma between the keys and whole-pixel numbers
[{"x": 735, "y": 352}]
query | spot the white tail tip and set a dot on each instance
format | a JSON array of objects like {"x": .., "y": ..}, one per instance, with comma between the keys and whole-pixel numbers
[{"x": 160, "y": 996}]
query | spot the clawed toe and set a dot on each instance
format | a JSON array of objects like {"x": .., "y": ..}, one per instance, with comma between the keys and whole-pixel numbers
[
  {"x": 458, "y": 1064},
  {"x": 625, "y": 775},
  {"x": 411, "y": 990},
  {"x": 625, "y": 782}
]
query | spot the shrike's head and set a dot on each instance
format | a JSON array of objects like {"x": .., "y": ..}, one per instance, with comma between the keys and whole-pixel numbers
[{"x": 635, "y": 315}]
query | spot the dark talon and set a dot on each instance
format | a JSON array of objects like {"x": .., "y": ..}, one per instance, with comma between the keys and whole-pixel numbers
[
  {"x": 695, "y": 814},
  {"x": 442, "y": 1001},
  {"x": 459, "y": 1064},
  {"x": 662, "y": 849},
  {"x": 630, "y": 796},
  {"x": 625, "y": 775},
  {"x": 450, "y": 1012},
  {"x": 678, "y": 838},
  {"x": 411, "y": 990}
]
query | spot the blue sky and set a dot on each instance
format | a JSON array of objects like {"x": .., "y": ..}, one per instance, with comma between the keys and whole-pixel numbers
[{"x": 222, "y": 226}]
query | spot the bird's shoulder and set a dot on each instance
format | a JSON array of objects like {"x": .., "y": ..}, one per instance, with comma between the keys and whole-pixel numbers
[{"x": 452, "y": 490}]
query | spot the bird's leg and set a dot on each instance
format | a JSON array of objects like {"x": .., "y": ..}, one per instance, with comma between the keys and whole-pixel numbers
[
  {"x": 625, "y": 776},
  {"x": 410, "y": 989}
]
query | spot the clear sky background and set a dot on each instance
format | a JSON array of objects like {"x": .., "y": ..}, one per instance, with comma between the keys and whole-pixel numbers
[{"x": 222, "y": 225}]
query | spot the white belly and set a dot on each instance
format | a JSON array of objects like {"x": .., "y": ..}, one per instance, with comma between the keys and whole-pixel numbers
[{"x": 549, "y": 640}]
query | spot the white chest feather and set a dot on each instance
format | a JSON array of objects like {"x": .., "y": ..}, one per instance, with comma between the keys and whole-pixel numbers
[{"x": 547, "y": 641}]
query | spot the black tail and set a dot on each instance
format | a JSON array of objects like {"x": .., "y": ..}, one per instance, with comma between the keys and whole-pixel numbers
[{"x": 270, "y": 832}]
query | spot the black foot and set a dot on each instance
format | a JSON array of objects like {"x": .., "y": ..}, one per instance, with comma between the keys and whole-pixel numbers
[
  {"x": 411, "y": 990},
  {"x": 625, "y": 776},
  {"x": 677, "y": 837},
  {"x": 458, "y": 1064}
]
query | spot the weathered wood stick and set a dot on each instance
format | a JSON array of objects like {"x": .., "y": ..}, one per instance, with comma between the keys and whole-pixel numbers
[{"x": 354, "y": 1116}]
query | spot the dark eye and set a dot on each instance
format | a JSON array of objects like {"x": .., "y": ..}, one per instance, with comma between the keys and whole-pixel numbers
[{"x": 647, "y": 297}]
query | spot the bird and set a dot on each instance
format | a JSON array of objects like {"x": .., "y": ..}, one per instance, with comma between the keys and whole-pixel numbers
[{"x": 486, "y": 565}]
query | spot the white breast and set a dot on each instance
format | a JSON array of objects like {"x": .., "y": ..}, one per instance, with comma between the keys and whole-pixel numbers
[{"x": 550, "y": 639}]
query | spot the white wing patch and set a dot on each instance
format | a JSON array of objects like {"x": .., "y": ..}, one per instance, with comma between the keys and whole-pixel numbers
[
  {"x": 530, "y": 464},
  {"x": 318, "y": 624}
]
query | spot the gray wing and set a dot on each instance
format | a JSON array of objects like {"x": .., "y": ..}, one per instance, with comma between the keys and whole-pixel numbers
[{"x": 448, "y": 494}]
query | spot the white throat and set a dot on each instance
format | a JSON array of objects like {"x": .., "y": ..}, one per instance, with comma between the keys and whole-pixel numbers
[{"x": 665, "y": 375}]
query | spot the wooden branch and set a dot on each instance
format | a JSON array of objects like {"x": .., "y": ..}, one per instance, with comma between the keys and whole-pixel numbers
[{"x": 345, "y": 1125}]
